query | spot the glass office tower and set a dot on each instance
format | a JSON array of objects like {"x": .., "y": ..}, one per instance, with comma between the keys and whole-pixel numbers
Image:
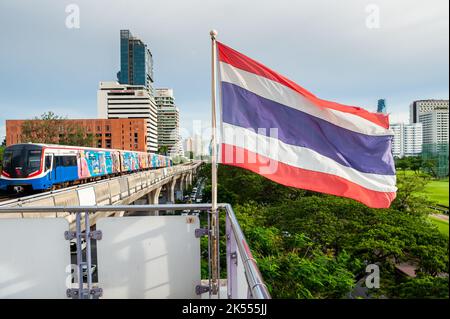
[
  {"x": 136, "y": 63},
  {"x": 381, "y": 108}
]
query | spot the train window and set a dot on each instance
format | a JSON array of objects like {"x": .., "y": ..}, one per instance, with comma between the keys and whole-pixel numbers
[
  {"x": 7, "y": 158},
  {"x": 34, "y": 159},
  {"x": 48, "y": 162},
  {"x": 66, "y": 161},
  {"x": 69, "y": 161}
]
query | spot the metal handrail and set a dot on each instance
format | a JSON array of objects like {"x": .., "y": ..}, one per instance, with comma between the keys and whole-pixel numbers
[{"x": 254, "y": 279}]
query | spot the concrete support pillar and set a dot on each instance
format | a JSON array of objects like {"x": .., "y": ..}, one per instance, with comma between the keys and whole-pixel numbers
[
  {"x": 171, "y": 190},
  {"x": 190, "y": 178},
  {"x": 180, "y": 183},
  {"x": 153, "y": 198},
  {"x": 186, "y": 182}
]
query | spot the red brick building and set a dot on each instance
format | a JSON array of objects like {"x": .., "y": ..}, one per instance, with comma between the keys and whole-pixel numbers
[{"x": 124, "y": 134}]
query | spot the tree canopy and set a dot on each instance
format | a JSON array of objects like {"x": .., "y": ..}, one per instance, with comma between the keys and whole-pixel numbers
[
  {"x": 312, "y": 245},
  {"x": 53, "y": 129}
]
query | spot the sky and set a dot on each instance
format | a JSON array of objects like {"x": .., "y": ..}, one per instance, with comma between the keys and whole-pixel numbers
[{"x": 353, "y": 52}]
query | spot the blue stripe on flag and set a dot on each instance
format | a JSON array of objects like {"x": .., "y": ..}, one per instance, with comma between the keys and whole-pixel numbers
[{"x": 365, "y": 153}]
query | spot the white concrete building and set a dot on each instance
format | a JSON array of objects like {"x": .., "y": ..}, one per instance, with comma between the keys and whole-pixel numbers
[
  {"x": 407, "y": 139},
  {"x": 116, "y": 100},
  {"x": 397, "y": 141},
  {"x": 193, "y": 144},
  {"x": 435, "y": 127},
  {"x": 419, "y": 107},
  {"x": 168, "y": 122}
]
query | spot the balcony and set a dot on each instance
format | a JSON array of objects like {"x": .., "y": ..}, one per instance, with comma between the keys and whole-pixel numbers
[{"x": 153, "y": 251}]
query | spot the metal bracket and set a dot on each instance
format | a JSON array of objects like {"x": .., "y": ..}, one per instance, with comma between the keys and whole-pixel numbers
[
  {"x": 233, "y": 256},
  {"x": 72, "y": 293},
  {"x": 96, "y": 234},
  {"x": 201, "y": 289},
  {"x": 94, "y": 292},
  {"x": 199, "y": 232},
  {"x": 68, "y": 235}
]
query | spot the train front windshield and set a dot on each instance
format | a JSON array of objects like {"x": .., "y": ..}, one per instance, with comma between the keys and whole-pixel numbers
[{"x": 20, "y": 161}]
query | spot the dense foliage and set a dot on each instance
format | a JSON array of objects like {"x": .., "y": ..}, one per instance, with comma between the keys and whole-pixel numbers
[
  {"x": 311, "y": 245},
  {"x": 52, "y": 129},
  {"x": 2, "y": 149},
  {"x": 431, "y": 164}
]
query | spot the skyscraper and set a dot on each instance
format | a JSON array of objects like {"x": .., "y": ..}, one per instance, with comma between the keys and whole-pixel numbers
[
  {"x": 168, "y": 122},
  {"x": 381, "y": 108},
  {"x": 136, "y": 62},
  {"x": 433, "y": 114},
  {"x": 435, "y": 129},
  {"x": 132, "y": 97},
  {"x": 422, "y": 106}
]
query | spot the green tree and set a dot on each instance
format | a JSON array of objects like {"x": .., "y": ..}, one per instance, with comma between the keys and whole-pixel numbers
[
  {"x": 311, "y": 245},
  {"x": 163, "y": 150},
  {"x": 409, "y": 195},
  {"x": 2, "y": 149},
  {"x": 53, "y": 129},
  {"x": 422, "y": 287}
]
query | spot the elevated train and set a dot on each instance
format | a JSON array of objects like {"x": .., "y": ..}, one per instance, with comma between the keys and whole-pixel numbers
[{"x": 38, "y": 167}]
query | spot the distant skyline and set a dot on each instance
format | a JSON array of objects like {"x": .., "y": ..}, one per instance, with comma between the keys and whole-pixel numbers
[{"x": 323, "y": 46}]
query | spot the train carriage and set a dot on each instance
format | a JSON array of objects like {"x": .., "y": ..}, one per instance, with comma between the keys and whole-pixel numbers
[{"x": 43, "y": 166}]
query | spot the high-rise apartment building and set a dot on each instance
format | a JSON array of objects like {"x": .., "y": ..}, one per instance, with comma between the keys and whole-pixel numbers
[
  {"x": 121, "y": 101},
  {"x": 435, "y": 129},
  {"x": 407, "y": 140},
  {"x": 423, "y": 106},
  {"x": 168, "y": 122},
  {"x": 193, "y": 144},
  {"x": 397, "y": 140}
]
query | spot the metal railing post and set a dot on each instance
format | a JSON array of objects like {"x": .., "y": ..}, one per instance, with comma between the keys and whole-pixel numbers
[
  {"x": 79, "y": 256},
  {"x": 87, "y": 234},
  {"x": 231, "y": 260}
]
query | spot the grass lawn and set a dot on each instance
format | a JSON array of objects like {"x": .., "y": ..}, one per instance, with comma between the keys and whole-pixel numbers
[
  {"x": 437, "y": 191},
  {"x": 441, "y": 224}
]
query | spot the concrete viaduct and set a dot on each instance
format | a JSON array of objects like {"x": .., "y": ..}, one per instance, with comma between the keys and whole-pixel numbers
[{"x": 144, "y": 187}]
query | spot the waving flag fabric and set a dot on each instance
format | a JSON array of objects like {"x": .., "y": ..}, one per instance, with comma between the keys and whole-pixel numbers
[{"x": 272, "y": 126}]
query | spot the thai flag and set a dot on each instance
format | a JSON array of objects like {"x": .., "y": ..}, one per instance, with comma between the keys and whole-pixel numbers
[{"x": 273, "y": 127}]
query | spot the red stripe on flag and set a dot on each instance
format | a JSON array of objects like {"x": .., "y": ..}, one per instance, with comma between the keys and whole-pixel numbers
[
  {"x": 305, "y": 179},
  {"x": 238, "y": 60}
]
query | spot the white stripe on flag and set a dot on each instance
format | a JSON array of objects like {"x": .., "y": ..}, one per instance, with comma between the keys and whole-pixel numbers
[
  {"x": 269, "y": 146},
  {"x": 281, "y": 94}
]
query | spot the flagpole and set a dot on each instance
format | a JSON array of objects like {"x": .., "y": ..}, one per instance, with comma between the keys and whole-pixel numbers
[{"x": 214, "y": 213}]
